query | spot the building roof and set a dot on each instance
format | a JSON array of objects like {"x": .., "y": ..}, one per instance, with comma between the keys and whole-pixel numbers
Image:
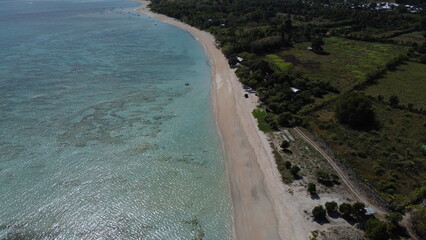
[{"x": 295, "y": 90}]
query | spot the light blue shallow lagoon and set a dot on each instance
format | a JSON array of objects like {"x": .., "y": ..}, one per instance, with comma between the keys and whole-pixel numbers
[{"x": 106, "y": 127}]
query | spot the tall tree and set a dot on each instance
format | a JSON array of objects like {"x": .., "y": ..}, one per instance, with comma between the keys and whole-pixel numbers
[{"x": 355, "y": 109}]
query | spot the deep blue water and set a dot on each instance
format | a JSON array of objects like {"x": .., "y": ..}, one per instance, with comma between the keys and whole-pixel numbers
[{"x": 100, "y": 138}]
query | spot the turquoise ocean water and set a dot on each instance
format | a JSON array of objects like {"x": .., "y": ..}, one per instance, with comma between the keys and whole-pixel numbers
[{"x": 100, "y": 138}]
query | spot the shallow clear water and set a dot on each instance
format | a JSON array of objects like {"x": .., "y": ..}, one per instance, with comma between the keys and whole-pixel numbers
[{"x": 100, "y": 138}]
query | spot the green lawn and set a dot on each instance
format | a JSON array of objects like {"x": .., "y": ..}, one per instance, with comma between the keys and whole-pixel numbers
[
  {"x": 408, "y": 82},
  {"x": 347, "y": 63}
]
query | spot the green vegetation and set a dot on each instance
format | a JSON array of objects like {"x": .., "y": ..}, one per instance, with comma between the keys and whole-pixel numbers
[
  {"x": 294, "y": 170},
  {"x": 392, "y": 220},
  {"x": 407, "y": 82},
  {"x": 331, "y": 207},
  {"x": 287, "y": 164},
  {"x": 283, "y": 166},
  {"x": 319, "y": 212},
  {"x": 389, "y": 158},
  {"x": 285, "y": 144},
  {"x": 358, "y": 210},
  {"x": 409, "y": 38},
  {"x": 345, "y": 209},
  {"x": 376, "y": 229},
  {"x": 275, "y": 60},
  {"x": 312, "y": 188},
  {"x": 347, "y": 62},
  {"x": 264, "y": 120},
  {"x": 355, "y": 109}
]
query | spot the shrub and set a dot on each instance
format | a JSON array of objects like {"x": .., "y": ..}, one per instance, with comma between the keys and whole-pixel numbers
[
  {"x": 287, "y": 164},
  {"x": 323, "y": 176},
  {"x": 317, "y": 45},
  {"x": 285, "y": 119},
  {"x": 394, "y": 100},
  {"x": 358, "y": 210},
  {"x": 265, "y": 44},
  {"x": 295, "y": 171},
  {"x": 312, "y": 188},
  {"x": 319, "y": 212},
  {"x": 331, "y": 207},
  {"x": 345, "y": 209},
  {"x": 285, "y": 144},
  {"x": 376, "y": 229},
  {"x": 393, "y": 220}
]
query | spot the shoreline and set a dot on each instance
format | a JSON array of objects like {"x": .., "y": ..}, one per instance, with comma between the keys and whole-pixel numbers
[{"x": 262, "y": 207}]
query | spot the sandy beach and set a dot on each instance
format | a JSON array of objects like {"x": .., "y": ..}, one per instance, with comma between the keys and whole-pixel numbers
[{"x": 262, "y": 207}]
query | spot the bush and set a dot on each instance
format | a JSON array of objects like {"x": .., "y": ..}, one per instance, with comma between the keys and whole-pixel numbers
[
  {"x": 295, "y": 171},
  {"x": 393, "y": 220},
  {"x": 331, "y": 207},
  {"x": 285, "y": 144},
  {"x": 323, "y": 176},
  {"x": 317, "y": 45},
  {"x": 287, "y": 164},
  {"x": 265, "y": 44},
  {"x": 394, "y": 100},
  {"x": 358, "y": 210},
  {"x": 345, "y": 209},
  {"x": 319, "y": 212},
  {"x": 376, "y": 229},
  {"x": 285, "y": 119},
  {"x": 312, "y": 188}
]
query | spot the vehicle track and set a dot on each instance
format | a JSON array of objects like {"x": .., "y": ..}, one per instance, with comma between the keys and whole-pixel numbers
[{"x": 380, "y": 212}]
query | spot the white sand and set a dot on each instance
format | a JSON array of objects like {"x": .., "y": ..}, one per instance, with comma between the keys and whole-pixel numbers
[{"x": 263, "y": 209}]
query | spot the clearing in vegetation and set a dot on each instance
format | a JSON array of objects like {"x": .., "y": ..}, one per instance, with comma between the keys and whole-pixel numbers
[
  {"x": 280, "y": 63},
  {"x": 346, "y": 62}
]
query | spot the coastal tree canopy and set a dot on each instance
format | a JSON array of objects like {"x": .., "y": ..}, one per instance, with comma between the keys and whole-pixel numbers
[{"x": 355, "y": 110}]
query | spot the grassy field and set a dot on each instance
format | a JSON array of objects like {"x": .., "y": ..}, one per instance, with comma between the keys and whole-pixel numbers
[
  {"x": 410, "y": 38},
  {"x": 277, "y": 61},
  {"x": 346, "y": 63},
  {"x": 389, "y": 158},
  {"x": 408, "y": 82}
]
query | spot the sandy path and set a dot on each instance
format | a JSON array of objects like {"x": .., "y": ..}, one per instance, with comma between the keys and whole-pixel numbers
[
  {"x": 262, "y": 207},
  {"x": 380, "y": 212}
]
